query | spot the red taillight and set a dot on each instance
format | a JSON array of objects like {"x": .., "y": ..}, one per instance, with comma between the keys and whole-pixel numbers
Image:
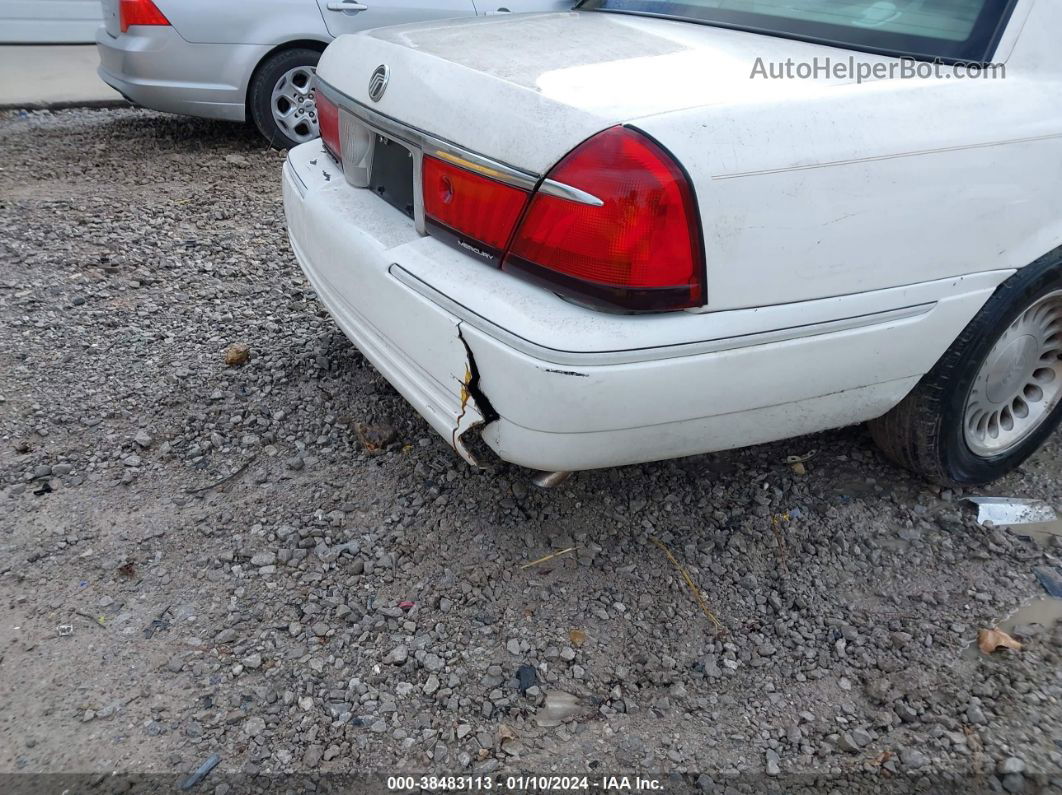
[
  {"x": 472, "y": 206},
  {"x": 139, "y": 12},
  {"x": 639, "y": 249},
  {"x": 627, "y": 236},
  {"x": 328, "y": 122}
]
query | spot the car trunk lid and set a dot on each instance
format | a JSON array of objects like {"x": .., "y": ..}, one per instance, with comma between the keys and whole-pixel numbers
[{"x": 526, "y": 89}]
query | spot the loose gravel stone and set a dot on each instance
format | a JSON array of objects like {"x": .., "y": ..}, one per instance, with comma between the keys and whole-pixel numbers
[
  {"x": 1012, "y": 764},
  {"x": 252, "y": 661},
  {"x": 913, "y": 759}
]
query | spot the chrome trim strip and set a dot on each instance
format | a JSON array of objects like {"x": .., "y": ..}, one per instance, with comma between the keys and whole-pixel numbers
[
  {"x": 480, "y": 164},
  {"x": 430, "y": 144},
  {"x": 631, "y": 356},
  {"x": 553, "y": 188}
]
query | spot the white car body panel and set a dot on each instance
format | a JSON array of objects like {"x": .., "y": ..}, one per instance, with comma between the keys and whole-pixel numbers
[
  {"x": 526, "y": 316},
  {"x": 675, "y": 397},
  {"x": 554, "y": 80},
  {"x": 851, "y": 230},
  {"x": 435, "y": 380},
  {"x": 551, "y": 80},
  {"x": 545, "y": 451}
]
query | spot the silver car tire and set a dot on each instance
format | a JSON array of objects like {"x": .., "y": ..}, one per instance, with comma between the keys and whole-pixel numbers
[{"x": 280, "y": 101}]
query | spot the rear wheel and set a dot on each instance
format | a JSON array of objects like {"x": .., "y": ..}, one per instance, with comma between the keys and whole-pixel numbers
[
  {"x": 281, "y": 99},
  {"x": 996, "y": 394}
]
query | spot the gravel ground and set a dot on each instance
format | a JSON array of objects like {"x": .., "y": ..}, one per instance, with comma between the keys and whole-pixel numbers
[{"x": 199, "y": 558}]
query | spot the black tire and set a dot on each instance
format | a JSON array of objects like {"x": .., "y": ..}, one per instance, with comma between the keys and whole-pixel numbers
[
  {"x": 924, "y": 433},
  {"x": 260, "y": 93}
]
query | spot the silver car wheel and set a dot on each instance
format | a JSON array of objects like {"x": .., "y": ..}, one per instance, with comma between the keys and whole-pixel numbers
[
  {"x": 1020, "y": 382},
  {"x": 293, "y": 104}
]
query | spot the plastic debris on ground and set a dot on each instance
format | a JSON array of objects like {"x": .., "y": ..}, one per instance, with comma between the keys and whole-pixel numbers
[
  {"x": 559, "y": 707},
  {"x": 200, "y": 772},
  {"x": 1050, "y": 578},
  {"x": 988, "y": 640},
  {"x": 1007, "y": 511},
  {"x": 527, "y": 677}
]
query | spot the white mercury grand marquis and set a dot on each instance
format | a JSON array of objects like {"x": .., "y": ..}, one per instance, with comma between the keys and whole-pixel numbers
[{"x": 611, "y": 236}]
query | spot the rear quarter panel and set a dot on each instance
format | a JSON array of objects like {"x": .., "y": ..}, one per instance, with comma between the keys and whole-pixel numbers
[
  {"x": 245, "y": 21},
  {"x": 861, "y": 187}
]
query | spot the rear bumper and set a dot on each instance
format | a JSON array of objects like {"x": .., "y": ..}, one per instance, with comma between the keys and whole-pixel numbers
[
  {"x": 416, "y": 346},
  {"x": 152, "y": 66},
  {"x": 578, "y": 389}
]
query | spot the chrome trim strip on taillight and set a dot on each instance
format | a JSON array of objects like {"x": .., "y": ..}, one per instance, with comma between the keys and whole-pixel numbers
[
  {"x": 553, "y": 188},
  {"x": 479, "y": 164}
]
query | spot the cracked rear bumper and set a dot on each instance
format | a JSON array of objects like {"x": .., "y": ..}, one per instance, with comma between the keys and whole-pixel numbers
[
  {"x": 561, "y": 387},
  {"x": 349, "y": 270}
]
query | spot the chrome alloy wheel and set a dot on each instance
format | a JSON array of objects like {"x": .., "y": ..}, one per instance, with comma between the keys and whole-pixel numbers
[
  {"x": 293, "y": 104},
  {"x": 1020, "y": 382}
]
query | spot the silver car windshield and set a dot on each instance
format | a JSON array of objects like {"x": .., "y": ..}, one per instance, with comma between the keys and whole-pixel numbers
[{"x": 950, "y": 30}]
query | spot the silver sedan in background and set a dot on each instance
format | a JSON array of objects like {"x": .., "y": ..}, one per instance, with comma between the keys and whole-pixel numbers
[{"x": 250, "y": 60}]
